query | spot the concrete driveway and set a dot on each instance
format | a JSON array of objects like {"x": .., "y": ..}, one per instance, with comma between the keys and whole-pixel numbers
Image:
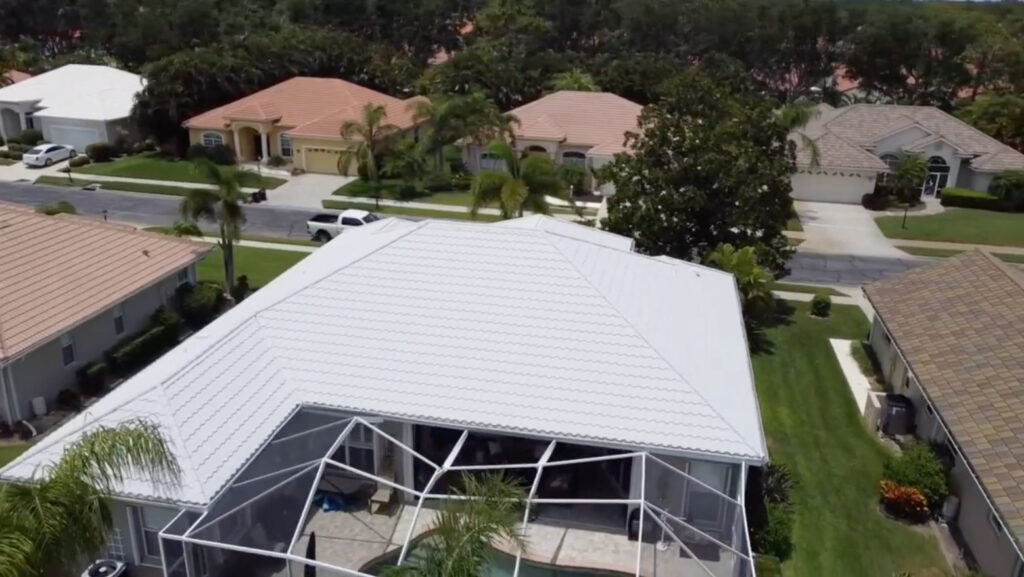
[
  {"x": 844, "y": 229},
  {"x": 306, "y": 190}
]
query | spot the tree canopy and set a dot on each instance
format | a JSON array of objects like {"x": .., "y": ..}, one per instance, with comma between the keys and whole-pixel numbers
[{"x": 709, "y": 167}]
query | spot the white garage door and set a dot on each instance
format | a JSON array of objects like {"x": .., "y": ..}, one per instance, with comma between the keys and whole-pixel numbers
[
  {"x": 74, "y": 136},
  {"x": 846, "y": 188}
]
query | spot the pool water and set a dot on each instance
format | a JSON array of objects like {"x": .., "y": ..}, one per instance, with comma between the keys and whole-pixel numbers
[{"x": 501, "y": 565}]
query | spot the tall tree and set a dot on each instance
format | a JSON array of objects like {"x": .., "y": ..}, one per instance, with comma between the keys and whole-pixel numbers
[
  {"x": 708, "y": 167},
  {"x": 1001, "y": 116},
  {"x": 524, "y": 184},
  {"x": 574, "y": 79},
  {"x": 223, "y": 205},
  {"x": 47, "y": 527},
  {"x": 465, "y": 530},
  {"x": 752, "y": 281},
  {"x": 448, "y": 119},
  {"x": 372, "y": 136}
]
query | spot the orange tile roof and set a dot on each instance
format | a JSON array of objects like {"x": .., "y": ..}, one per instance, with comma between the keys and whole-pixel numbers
[
  {"x": 14, "y": 76},
  {"x": 577, "y": 118},
  {"x": 311, "y": 106},
  {"x": 59, "y": 271}
]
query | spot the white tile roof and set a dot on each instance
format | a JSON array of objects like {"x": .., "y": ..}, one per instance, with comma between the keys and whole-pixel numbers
[
  {"x": 82, "y": 91},
  {"x": 515, "y": 327}
]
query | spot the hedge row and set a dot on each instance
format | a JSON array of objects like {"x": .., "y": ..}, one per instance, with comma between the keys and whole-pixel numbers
[{"x": 966, "y": 198}]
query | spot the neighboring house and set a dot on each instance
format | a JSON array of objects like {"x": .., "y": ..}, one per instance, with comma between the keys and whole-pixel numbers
[
  {"x": 70, "y": 288},
  {"x": 616, "y": 386},
  {"x": 951, "y": 337},
  {"x": 583, "y": 128},
  {"x": 299, "y": 119},
  {"x": 76, "y": 104},
  {"x": 858, "y": 145},
  {"x": 13, "y": 77}
]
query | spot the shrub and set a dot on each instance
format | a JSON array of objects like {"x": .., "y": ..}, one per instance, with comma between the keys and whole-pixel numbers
[
  {"x": 906, "y": 503},
  {"x": 168, "y": 319},
  {"x": 573, "y": 176},
  {"x": 196, "y": 151},
  {"x": 92, "y": 378},
  {"x": 768, "y": 566},
  {"x": 462, "y": 181},
  {"x": 5, "y": 154},
  {"x": 61, "y": 207},
  {"x": 13, "y": 140},
  {"x": 437, "y": 182},
  {"x": 874, "y": 201},
  {"x": 15, "y": 155},
  {"x": 200, "y": 303},
  {"x": 31, "y": 137},
  {"x": 776, "y": 537},
  {"x": 100, "y": 152},
  {"x": 218, "y": 154},
  {"x": 406, "y": 192},
  {"x": 138, "y": 148},
  {"x": 69, "y": 399},
  {"x": 78, "y": 161},
  {"x": 139, "y": 351},
  {"x": 821, "y": 305},
  {"x": 965, "y": 198},
  {"x": 776, "y": 484},
  {"x": 16, "y": 147},
  {"x": 276, "y": 160},
  {"x": 918, "y": 467},
  {"x": 1009, "y": 187}
]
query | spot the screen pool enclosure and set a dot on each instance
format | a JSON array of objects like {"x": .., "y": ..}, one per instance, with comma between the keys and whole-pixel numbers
[{"x": 367, "y": 496}]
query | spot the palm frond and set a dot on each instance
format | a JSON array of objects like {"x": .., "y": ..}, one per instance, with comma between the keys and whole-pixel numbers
[
  {"x": 486, "y": 189},
  {"x": 199, "y": 203},
  {"x": 513, "y": 195},
  {"x": 507, "y": 154},
  {"x": 106, "y": 455},
  {"x": 15, "y": 552}
]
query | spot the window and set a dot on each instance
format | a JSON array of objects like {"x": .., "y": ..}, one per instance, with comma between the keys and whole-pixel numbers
[
  {"x": 993, "y": 520},
  {"x": 115, "y": 547},
  {"x": 152, "y": 520},
  {"x": 357, "y": 452},
  {"x": 574, "y": 158},
  {"x": 212, "y": 139},
  {"x": 183, "y": 276},
  {"x": 349, "y": 221},
  {"x": 67, "y": 349},
  {"x": 118, "y": 320},
  {"x": 286, "y": 146}
]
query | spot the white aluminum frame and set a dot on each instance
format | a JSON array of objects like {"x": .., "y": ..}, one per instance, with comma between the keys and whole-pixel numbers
[{"x": 647, "y": 510}]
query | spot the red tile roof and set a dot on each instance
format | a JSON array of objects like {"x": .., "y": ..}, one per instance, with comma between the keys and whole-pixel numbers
[
  {"x": 14, "y": 76},
  {"x": 577, "y": 118}
]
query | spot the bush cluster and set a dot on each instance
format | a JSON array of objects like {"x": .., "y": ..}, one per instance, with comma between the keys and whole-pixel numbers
[
  {"x": 100, "y": 152},
  {"x": 1009, "y": 186},
  {"x": 918, "y": 467},
  {"x": 15, "y": 155},
  {"x": 221, "y": 154},
  {"x": 79, "y": 161},
  {"x": 16, "y": 147},
  {"x": 770, "y": 511},
  {"x": 821, "y": 305},
  {"x": 199, "y": 304},
  {"x": 906, "y": 503},
  {"x": 875, "y": 201},
  {"x": 462, "y": 181},
  {"x": 92, "y": 378},
  {"x": 69, "y": 399},
  {"x": 965, "y": 198},
  {"x": 276, "y": 160},
  {"x": 437, "y": 182},
  {"x": 31, "y": 137},
  {"x": 140, "y": 349}
]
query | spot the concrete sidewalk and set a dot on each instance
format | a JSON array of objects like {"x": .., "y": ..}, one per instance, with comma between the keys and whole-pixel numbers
[
  {"x": 1002, "y": 249},
  {"x": 262, "y": 244}
]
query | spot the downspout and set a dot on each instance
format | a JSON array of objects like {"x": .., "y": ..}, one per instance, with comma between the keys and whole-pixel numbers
[
  {"x": 4, "y": 397},
  {"x": 15, "y": 404}
]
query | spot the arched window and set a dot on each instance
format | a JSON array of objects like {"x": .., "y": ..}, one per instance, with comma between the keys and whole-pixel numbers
[
  {"x": 286, "y": 146},
  {"x": 938, "y": 165},
  {"x": 575, "y": 158},
  {"x": 212, "y": 139}
]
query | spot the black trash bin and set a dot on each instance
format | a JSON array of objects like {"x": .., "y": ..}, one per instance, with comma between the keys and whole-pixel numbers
[{"x": 899, "y": 415}]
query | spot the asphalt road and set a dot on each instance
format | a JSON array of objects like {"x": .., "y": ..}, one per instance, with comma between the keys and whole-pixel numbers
[
  {"x": 151, "y": 209},
  {"x": 155, "y": 210}
]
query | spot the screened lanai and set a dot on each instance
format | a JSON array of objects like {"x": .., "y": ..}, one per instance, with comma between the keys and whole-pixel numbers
[{"x": 367, "y": 500}]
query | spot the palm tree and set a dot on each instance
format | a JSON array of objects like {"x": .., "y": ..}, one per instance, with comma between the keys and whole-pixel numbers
[
  {"x": 907, "y": 181},
  {"x": 472, "y": 116},
  {"x": 575, "y": 79},
  {"x": 372, "y": 136},
  {"x": 48, "y": 526},
  {"x": 222, "y": 205},
  {"x": 794, "y": 117},
  {"x": 524, "y": 184},
  {"x": 405, "y": 162},
  {"x": 752, "y": 280},
  {"x": 486, "y": 510}
]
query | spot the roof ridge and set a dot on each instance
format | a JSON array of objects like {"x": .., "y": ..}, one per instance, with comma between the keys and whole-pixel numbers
[{"x": 742, "y": 439}]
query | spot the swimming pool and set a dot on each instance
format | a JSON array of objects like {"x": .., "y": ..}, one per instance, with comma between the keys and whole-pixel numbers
[{"x": 501, "y": 565}]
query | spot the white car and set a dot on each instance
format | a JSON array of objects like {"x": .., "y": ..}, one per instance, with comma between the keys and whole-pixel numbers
[
  {"x": 47, "y": 154},
  {"x": 324, "y": 227}
]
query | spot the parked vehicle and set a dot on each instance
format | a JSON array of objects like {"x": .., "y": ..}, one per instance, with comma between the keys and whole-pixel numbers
[
  {"x": 325, "y": 226},
  {"x": 47, "y": 154}
]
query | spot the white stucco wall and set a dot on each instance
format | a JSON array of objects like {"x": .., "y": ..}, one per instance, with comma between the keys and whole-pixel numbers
[
  {"x": 894, "y": 143},
  {"x": 832, "y": 186},
  {"x": 974, "y": 180}
]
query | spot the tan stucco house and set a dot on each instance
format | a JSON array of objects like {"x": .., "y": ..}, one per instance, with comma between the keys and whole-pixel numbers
[
  {"x": 583, "y": 128},
  {"x": 71, "y": 288},
  {"x": 951, "y": 338},
  {"x": 856, "y": 146},
  {"x": 299, "y": 119}
]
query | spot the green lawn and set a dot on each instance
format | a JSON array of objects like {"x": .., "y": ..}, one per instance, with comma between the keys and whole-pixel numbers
[
  {"x": 261, "y": 265},
  {"x": 155, "y": 167},
  {"x": 334, "y": 204},
  {"x": 255, "y": 237},
  {"x": 803, "y": 288},
  {"x": 9, "y": 452},
  {"x": 813, "y": 427},
  {"x": 959, "y": 225}
]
